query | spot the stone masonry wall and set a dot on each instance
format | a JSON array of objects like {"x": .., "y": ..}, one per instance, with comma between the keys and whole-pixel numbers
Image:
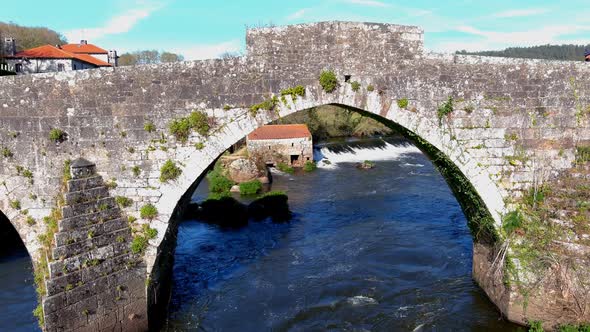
[{"x": 514, "y": 122}]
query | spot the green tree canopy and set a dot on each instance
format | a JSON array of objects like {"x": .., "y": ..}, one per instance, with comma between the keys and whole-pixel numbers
[
  {"x": 147, "y": 57},
  {"x": 549, "y": 52}
]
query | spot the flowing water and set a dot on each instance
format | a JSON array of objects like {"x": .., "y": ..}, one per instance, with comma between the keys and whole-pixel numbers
[{"x": 385, "y": 249}]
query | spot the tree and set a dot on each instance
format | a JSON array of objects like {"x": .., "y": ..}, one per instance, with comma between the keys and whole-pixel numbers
[
  {"x": 148, "y": 57},
  {"x": 551, "y": 52},
  {"x": 29, "y": 37}
]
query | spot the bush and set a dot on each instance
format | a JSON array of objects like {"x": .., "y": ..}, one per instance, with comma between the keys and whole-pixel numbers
[
  {"x": 285, "y": 168},
  {"x": 268, "y": 104},
  {"x": 356, "y": 86},
  {"x": 148, "y": 211},
  {"x": 218, "y": 183},
  {"x": 199, "y": 121},
  {"x": 180, "y": 128},
  {"x": 139, "y": 244},
  {"x": 445, "y": 109},
  {"x": 294, "y": 92},
  {"x": 250, "y": 188},
  {"x": 402, "y": 103},
  {"x": 309, "y": 166},
  {"x": 57, "y": 135},
  {"x": 169, "y": 171},
  {"x": 150, "y": 233},
  {"x": 328, "y": 81}
]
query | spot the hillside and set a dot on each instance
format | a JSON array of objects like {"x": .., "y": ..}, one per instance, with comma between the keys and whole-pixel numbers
[
  {"x": 549, "y": 52},
  {"x": 29, "y": 37}
]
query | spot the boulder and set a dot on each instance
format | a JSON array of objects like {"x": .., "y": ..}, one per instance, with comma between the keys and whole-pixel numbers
[{"x": 243, "y": 170}]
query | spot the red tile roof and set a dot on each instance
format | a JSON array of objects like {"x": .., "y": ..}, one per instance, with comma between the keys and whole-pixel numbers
[
  {"x": 280, "y": 132},
  {"x": 83, "y": 48},
  {"x": 52, "y": 52}
]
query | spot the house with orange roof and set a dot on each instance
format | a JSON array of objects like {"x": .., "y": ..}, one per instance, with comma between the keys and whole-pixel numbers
[
  {"x": 49, "y": 58},
  {"x": 290, "y": 144}
]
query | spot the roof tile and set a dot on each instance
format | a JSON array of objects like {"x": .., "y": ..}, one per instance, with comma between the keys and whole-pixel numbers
[{"x": 280, "y": 132}]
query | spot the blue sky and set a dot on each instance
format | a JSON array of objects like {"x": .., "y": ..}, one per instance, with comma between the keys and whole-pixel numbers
[{"x": 204, "y": 29}]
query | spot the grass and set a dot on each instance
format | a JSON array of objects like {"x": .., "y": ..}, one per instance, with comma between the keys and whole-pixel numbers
[
  {"x": 582, "y": 154},
  {"x": 285, "y": 168},
  {"x": 250, "y": 188},
  {"x": 6, "y": 153},
  {"x": 309, "y": 166},
  {"x": 148, "y": 211},
  {"x": 149, "y": 127},
  {"x": 294, "y": 92},
  {"x": 199, "y": 145},
  {"x": 268, "y": 104},
  {"x": 328, "y": 81},
  {"x": 403, "y": 103},
  {"x": 123, "y": 201},
  {"x": 57, "y": 135},
  {"x": 197, "y": 121},
  {"x": 169, "y": 171},
  {"x": 139, "y": 244}
]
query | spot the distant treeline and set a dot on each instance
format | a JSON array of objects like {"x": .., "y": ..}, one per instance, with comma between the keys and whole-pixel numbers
[
  {"x": 550, "y": 52},
  {"x": 29, "y": 37}
]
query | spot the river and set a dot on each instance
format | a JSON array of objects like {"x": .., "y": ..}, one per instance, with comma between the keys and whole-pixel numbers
[{"x": 385, "y": 249}]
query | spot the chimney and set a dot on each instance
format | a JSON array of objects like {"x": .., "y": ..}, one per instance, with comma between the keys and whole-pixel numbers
[
  {"x": 113, "y": 58},
  {"x": 83, "y": 42},
  {"x": 9, "y": 46}
]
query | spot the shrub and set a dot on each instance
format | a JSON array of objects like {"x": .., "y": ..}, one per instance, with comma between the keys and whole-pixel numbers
[
  {"x": 356, "y": 86},
  {"x": 309, "y": 166},
  {"x": 169, "y": 171},
  {"x": 150, "y": 233},
  {"x": 148, "y": 211},
  {"x": 294, "y": 92},
  {"x": 199, "y": 121},
  {"x": 268, "y": 104},
  {"x": 149, "y": 127},
  {"x": 180, "y": 128},
  {"x": 285, "y": 168},
  {"x": 250, "y": 188},
  {"x": 370, "y": 88},
  {"x": 328, "y": 81},
  {"x": 38, "y": 312},
  {"x": 139, "y": 244},
  {"x": 123, "y": 201},
  {"x": 218, "y": 183},
  {"x": 57, "y": 135},
  {"x": 402, "y": 103}
]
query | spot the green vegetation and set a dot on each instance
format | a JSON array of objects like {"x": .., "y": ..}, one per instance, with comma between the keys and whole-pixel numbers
[
  {"x": 551, "y": 52},
  {"x": 169, "y": 171},
  {"x": 268, "y": 104},
  {"x": 148, "y": 211},
  {"x": 57, "y": 135},
  {"x": 6, "y": 153},
  {"x": 328, "y": 81},
  {"x": 29, "y": 37},
  {"x": 136, "y": 170},
  {"x": 536, "y": 326},
  {"x": 123, "y": 202},
  {"x": 218, "y": 183},
  {"x": 139, "y": 244},
  {"x": 226, "y": 108},
  {"x": 199, "y": 145},
  {"x": 309, "y": 166},
  {"x": 150, "y": 233},
  {"x": 15, "y": 204},
  {"x": 148, "y": 57},
  {"x": 149, "y": 127},
  {"x": 445, "y": 109},
  {"x": 31, "y": 221},
  {"x": 294, "y": 92},
  {"x": 582, "y": 154},
  {"x": 197, "y": 121},
  {"x": 38, "y": 313},
  {"x": 111, "y": 184},
  {"x": 370, "y": 88},
  {"x": 250, "y": 188},
  {"x": 511, "y": 137},
  {"x": 356, "y": 86},
  {"x": 403, "y": 103},
  {"x": 285, "y": 168}
]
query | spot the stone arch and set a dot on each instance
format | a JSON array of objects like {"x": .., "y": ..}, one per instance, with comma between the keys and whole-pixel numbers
[
  {"x": 469, "y": 182},
  {"x": 26, "y": 232}
]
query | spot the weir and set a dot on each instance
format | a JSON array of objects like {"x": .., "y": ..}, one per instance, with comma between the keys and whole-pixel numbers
[{"x": 496, "y": 128}]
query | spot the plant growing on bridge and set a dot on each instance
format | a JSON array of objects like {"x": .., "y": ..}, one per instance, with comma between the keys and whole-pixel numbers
[
  {"x": 293, "y": 92},
  {"x": 149, "y": 233},
  {"x": 402, "y": 103},
  {"x": 169, "y": 171},
  {"x": 123, "y": 201},
  {"x": 582, "y": 154},
  {"x": 136, "y": 170},
  {"x": 148, "y": 211},
  {"x": 269, "y": 104},
  {"x": 370, "y": 88},
  {"x": 199, "y": 145},
  {"x": 328, "y": 81},
  {"x": 6, "y": 153},
  {"x": 250, "y": 188},
  {"x": 149, "y": 127},
  {"x": 15, "y": 204},
  {"x": 57, "y": 135},
  {"x": 197, "y": 121},
  {"x": 356, "y": 86},
  {"x": 445, "y": 109}
]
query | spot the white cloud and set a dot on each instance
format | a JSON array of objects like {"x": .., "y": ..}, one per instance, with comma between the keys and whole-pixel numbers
[
  {"x": 492, "y": 40},
  {"x": 207, "y": 51},
  {"x": 297, "y": 14},
  {"x": 521, "y": 12},
  {"x": 369, "y": 3},
  {"x": 118, "y": 24}
]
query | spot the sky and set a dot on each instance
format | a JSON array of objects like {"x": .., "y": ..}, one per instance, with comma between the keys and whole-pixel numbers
[{"x": 202, "y": 29}]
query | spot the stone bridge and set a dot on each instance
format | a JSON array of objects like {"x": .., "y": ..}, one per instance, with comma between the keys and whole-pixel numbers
[{"x": 498, "y": 130}]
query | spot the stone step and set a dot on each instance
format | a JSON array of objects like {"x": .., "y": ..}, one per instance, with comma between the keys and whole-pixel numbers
[
  {"x": 77, "y": 248},
  {"x": 79, "y": 197},
  {"x": 103, "y": 204},
  {"x": 73, "y": 265},
  {"x": 85, "y": 183},
  {"x": 80, "y": 221}
]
